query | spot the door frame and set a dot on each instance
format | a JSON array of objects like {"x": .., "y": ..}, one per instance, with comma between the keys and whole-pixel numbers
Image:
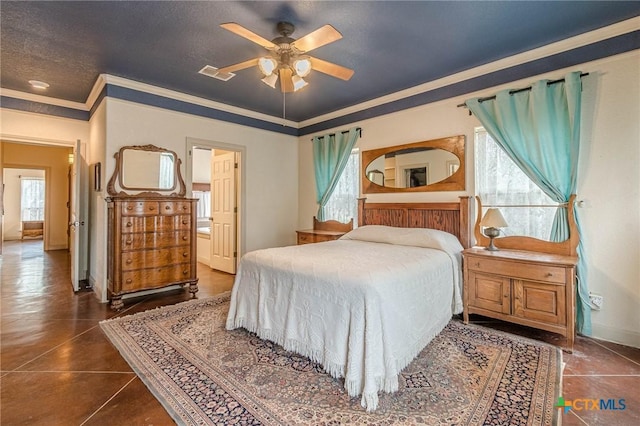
[
  {"x": 82, "y": 250},
  {"x": 240, "y": 184}
]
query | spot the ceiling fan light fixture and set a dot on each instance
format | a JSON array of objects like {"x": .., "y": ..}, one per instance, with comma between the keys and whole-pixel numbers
[
  {"x": 267, "y": 65},
  {"x": 270, "y": 80},
  {"x": 302, "y": 67},
  {"x": 298, "y": 82}
]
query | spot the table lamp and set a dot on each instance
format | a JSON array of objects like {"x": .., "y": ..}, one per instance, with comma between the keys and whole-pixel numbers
[{"x": 492, "y": 221}]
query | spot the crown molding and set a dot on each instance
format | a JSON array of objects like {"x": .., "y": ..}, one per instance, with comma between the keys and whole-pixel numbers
[
  {"x": 564, "y": 45},
  {"x": 107, "y": 79},
  {"x": 32, "y": 97}
]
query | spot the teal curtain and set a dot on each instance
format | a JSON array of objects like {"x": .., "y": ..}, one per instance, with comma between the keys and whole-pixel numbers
[
  {"x": 330, "y": 155},
  {"x": 540, "y": 131}
]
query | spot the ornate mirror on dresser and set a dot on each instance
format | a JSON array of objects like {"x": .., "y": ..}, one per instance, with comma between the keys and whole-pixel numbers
[
  {"x": 151, "y": 224},
  {"x": 434, "y": 165}
]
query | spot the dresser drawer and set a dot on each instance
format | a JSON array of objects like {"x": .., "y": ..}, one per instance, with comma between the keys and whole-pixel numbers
[
  {"x": 155, "y": 223},
  {"x": 175, "y": 207},
  {"x": 152, "y": 258},
  {"x": 139, "y": 208},
  {"x": 155, "y": 277},
  {"x": 543, "y": 273},
  {"x": 145, "y": 240}
]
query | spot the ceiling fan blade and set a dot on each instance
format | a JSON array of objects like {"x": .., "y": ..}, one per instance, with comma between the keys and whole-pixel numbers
[
  {"x": 320, "y": 37},
  {"x": 240, "y": 66},
  {"x": 331, "y": 69},
  {"x": 286, "y": 83},
  {"x": 249, "y": 35}
]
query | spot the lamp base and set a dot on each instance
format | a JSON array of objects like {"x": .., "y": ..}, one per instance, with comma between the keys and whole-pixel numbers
[
  {"x": 491, "y": 233},
  {"x": 491, "y": 246}
]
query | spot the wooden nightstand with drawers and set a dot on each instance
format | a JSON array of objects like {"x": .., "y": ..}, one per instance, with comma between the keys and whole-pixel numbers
[
  {"x": 523, "y": 287},
  {"x": 324, "y": 231}
]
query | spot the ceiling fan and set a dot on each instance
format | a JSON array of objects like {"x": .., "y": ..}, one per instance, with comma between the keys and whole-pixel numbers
[{"x": 287, "y": 58}]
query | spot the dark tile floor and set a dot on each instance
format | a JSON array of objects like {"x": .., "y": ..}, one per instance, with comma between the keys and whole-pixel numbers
[{"x": 58, "y": 368}]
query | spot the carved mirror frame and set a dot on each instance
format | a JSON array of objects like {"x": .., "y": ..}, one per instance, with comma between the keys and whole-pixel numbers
[
  {"x": 455, "y": 182},
  {"x": 115, "y": 186}
]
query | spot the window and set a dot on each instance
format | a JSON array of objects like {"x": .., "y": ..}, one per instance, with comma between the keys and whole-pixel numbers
[
  {"x": 204, "y": 207},
  {"x": 501, "y": 183},
  {"x": 343, "y": 204},
  {"x": 32, "y": 198}
]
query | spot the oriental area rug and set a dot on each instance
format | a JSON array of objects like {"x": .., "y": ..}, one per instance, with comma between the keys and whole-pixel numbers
[{"x": 205, "y": 375}]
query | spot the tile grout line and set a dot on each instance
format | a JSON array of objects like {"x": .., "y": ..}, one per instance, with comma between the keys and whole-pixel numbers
[
  {"x": 601, "y": 375},
  {"x": 615, "y": 352},
  {"x": 579, "y": 418},
  {"x": 52, "y": 349},
  {"x": 108, "y": 400}
]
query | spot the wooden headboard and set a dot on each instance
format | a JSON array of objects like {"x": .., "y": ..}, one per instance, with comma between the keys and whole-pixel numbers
[{"x": 452, "y": 217}]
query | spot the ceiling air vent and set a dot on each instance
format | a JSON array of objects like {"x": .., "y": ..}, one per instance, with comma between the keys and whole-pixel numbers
[{"x": 210, "y": 71}]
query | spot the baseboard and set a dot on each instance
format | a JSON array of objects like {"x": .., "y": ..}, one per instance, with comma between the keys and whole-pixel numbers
[{"x": 615, "y": 335}]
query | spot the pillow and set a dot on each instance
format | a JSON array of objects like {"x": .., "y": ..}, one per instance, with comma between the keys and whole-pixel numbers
[{"x": 418, "y": 237}]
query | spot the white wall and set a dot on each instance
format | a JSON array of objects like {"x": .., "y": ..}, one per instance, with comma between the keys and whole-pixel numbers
[
  {"x": 270, "y": 161},
  {"x": 97, "y": 205},
  {"x": 609, "y": 177}
]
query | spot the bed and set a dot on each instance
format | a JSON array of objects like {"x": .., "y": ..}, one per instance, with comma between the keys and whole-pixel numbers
[{"x": 365, "y": 305}]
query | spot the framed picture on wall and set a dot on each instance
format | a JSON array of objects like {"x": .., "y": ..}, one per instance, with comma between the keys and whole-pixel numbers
[{"x": 96, "y": 177}]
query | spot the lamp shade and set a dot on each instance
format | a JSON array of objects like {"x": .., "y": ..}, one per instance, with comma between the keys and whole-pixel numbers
[
  {"x": 267, "y": 65},
  {"x": 493, "y": 219},
  {"x": 270, "y": 80}
]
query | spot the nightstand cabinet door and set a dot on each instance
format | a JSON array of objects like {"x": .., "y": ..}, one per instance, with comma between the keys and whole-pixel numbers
[
  {"x": 491, "y": 292},
  {"x": 539, "y": 302}
]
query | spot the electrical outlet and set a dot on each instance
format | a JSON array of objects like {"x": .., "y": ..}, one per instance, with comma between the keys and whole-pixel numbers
[{"x": 596, "y": 301}]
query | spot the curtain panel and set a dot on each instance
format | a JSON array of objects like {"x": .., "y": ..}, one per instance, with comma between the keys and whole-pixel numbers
[
  {"x": 539, "y": 129},
  {"x": 330, "y": 155}
]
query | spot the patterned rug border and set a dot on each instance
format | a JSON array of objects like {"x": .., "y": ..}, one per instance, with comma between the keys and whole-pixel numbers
[{"x": 134, "y": 357}]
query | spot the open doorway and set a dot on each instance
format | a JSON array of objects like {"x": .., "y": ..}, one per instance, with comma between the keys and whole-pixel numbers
[
  {"x": 215, "y": 175},
  {"x": 24, "y": 204}
]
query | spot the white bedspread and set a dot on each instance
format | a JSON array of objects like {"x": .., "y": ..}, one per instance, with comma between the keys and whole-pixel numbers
[{"x": 362, "y": 309}]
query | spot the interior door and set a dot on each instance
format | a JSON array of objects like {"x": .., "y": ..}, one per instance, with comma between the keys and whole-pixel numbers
[
  {"x": 223, "y": 211},
  {"x": 77, "y": 207}
]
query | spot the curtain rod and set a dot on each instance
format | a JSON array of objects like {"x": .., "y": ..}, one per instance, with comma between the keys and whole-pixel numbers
[
  {"x": 358, "y": 129},
  {"x": 524, "y": 89}
]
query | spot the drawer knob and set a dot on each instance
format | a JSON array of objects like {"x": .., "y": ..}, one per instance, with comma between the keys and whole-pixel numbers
[
  {"x": 549, "y": 274},
  {"x": 129, "y": 261},
  {"x": 185, "y": 238},
  {"x": 477, "y": 264},
  {"x": 129, "y": 224},
  {"x": 167, "y": 207},
  {"x": 185, "y": 254},
  {"x": 184, "y": 222},
  {"x": 129, "y": 208},
  {"x": 184, "y": 207},
  {"x": 185, "y": 272},
  {"x": 128, "y": 280},
  {"x": 151, "y": 208},
  {"x": 128, "y": 242}
]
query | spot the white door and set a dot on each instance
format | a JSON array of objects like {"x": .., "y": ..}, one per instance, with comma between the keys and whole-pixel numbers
[
  {"x": 77, "y": 227},
  {"x": 223, "y": 212}
]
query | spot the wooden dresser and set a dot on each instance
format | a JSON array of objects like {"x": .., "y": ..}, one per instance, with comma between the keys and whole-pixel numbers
[
  {"x": 528, "y": 288},
  {"x": 151, "y": 244},
  {"x": 527, "y": 281},
  {"x": 152, "y": 235},
  {"x": 324, "y": 231}
]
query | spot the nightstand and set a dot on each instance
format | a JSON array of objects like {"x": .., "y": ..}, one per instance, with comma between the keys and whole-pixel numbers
[
  {"x": 324, "y": 231},
  {"x": 524, "y": 287},
  {"x": 308, "y": 236}
]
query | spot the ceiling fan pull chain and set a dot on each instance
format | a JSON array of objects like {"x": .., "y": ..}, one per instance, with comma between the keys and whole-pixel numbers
[{"x": 284, "y": 108}]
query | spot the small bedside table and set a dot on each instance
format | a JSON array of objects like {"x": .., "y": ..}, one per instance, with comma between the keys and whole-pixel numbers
[
  {"x": 317, "y": 236},
  {"x": 523, "y": 287},
  {"x": 324, "y": 231}
]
